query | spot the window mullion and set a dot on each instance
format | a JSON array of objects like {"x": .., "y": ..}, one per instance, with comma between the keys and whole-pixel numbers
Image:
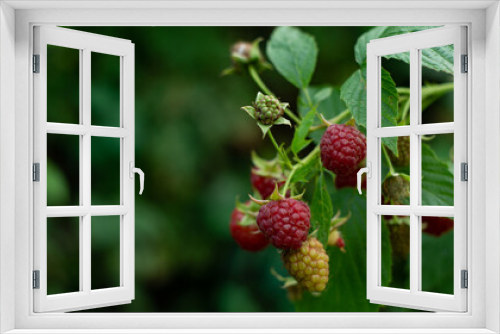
[
  {"x": 415, "y": 166},
  {"x": 85, "y": 165}
]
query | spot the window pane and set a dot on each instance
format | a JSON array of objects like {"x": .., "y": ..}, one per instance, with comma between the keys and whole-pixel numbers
[
  {"x": 396, "y": 182},
  {"x": 105, "y": 77},
  {"x": 63, "y": 255},
  {"x": 105, "y": 238},
  {"x": 437, "y": 86},
  {"x": 105, "y": 156},
  {"x": 399, "y": 232},
  {"x": 437, "y": 254},
  {"x": 63, "y": 170},
  {"x": 437, "y": 170},
  {"x": 395, "y": 73},
  {"x": 63, "y": 85}
]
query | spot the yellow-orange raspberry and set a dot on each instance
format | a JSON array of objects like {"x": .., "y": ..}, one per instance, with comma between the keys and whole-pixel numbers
[{"x": 308, "y": 265}]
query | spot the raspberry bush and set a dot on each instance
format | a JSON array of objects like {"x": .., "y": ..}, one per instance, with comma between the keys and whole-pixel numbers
[{"x": 304, "y": 201}]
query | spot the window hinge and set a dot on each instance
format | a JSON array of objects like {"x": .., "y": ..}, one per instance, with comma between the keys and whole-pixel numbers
[
  {"x": 465, "y": 279},
  {"x": 36, "y": 172},
  {"x": 464, "y": 171},
  {"x": 36, "y": 63},
  {"x": 36, "y": 279},
  {"x": 465, "y": 64}
]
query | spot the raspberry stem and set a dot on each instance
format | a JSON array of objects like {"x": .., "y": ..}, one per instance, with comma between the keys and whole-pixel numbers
[
  {"x": 427, "y": 92},
  {"x": 392, "y": 171},
  {"x": 335, "y": 120},
  {"x": 256, "y": 77},
  {"x": 275, "y": 144},
  {"x": 313, "y": 154}
]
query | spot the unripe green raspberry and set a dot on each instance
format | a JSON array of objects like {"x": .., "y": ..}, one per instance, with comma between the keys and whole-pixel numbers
[
  {"x": 396, "y": 189},
  {"x": 268, "y": 109},
  {"x": 308, "y": 265}
]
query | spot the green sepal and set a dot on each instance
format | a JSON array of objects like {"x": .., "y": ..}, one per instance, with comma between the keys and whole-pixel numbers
[
  {"x": 276, "y": 196},
  {"x": 250, "y": 111},
  {"x": 337, "y": 221},
  {"x": 239, "y": 59},
  {"x": 351, "y": 122},
  {"x": 247, "y": 220},
  {"x": 260, "y": 202},
  {"x": 287, "y": 281},
  {"x": 255, "y": 54},
  {"x": 259, "y": 96},
  {"x": 264, "y": 128},
  {"x": 268, "y": 168},
  {"x": 282, "y": 121},
  {"x": 299, "y": 196}
]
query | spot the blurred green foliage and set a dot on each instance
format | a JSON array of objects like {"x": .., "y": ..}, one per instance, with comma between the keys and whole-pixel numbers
[{"x": 194, "y": 144}]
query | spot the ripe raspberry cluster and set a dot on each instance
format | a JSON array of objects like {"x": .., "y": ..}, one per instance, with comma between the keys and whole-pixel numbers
[
  {"x": 308, "y": 265},
  {"x": 285, "y": 222},
  {"x": 343, "y": 147}
]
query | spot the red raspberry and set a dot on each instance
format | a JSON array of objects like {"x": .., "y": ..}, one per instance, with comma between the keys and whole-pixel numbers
[
  {"x": 247, "y": 237},
  {"x": 263, "y": 184},
  {"x": 285, "y": 222},
  {"x": 349, "y": 181},
  {"x": 342, "y": 149},
  {"x": 436, "y": 226}
]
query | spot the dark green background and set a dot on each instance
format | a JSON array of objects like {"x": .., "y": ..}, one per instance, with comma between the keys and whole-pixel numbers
[{"x": 193, "y": 143}]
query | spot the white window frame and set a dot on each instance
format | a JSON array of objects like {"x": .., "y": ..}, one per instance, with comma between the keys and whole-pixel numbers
[
  {"x": 17, "y": 19},
  {"x": 413, "y": 44},
  {"x": 86, "y": 44}
]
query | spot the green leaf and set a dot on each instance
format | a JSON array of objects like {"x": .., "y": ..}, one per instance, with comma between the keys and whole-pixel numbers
[
  {"x": 353, "y": 92},
  {"x": 437, "y": 58},
  {"x": 299, "y": 141},
  {"x": 346, "y": 289},
  {"x": 437, "y": 180},
  {"x": 327, "y": 99},
  {"x": 322, "y": 94},
  {"x": 321, "y": 210},
  {"x": 379, "y": 32},
  {"x": 437, "y": 272},
  {"x": 330, "y": 106},
  {"x": 293, "y": 53}
]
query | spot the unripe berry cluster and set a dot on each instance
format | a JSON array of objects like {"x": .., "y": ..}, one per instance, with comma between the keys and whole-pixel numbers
[{"x": 268, "y": 109}]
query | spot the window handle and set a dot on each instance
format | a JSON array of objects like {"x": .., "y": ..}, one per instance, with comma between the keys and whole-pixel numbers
[
  {"x": 368, "y": 171},
  {"x": 141, "y": 176}
]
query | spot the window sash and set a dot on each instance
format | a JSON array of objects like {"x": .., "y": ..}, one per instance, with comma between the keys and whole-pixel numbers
[
  {"x": 413, "y": 42},
  {"x": 86, "y": 297}
]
